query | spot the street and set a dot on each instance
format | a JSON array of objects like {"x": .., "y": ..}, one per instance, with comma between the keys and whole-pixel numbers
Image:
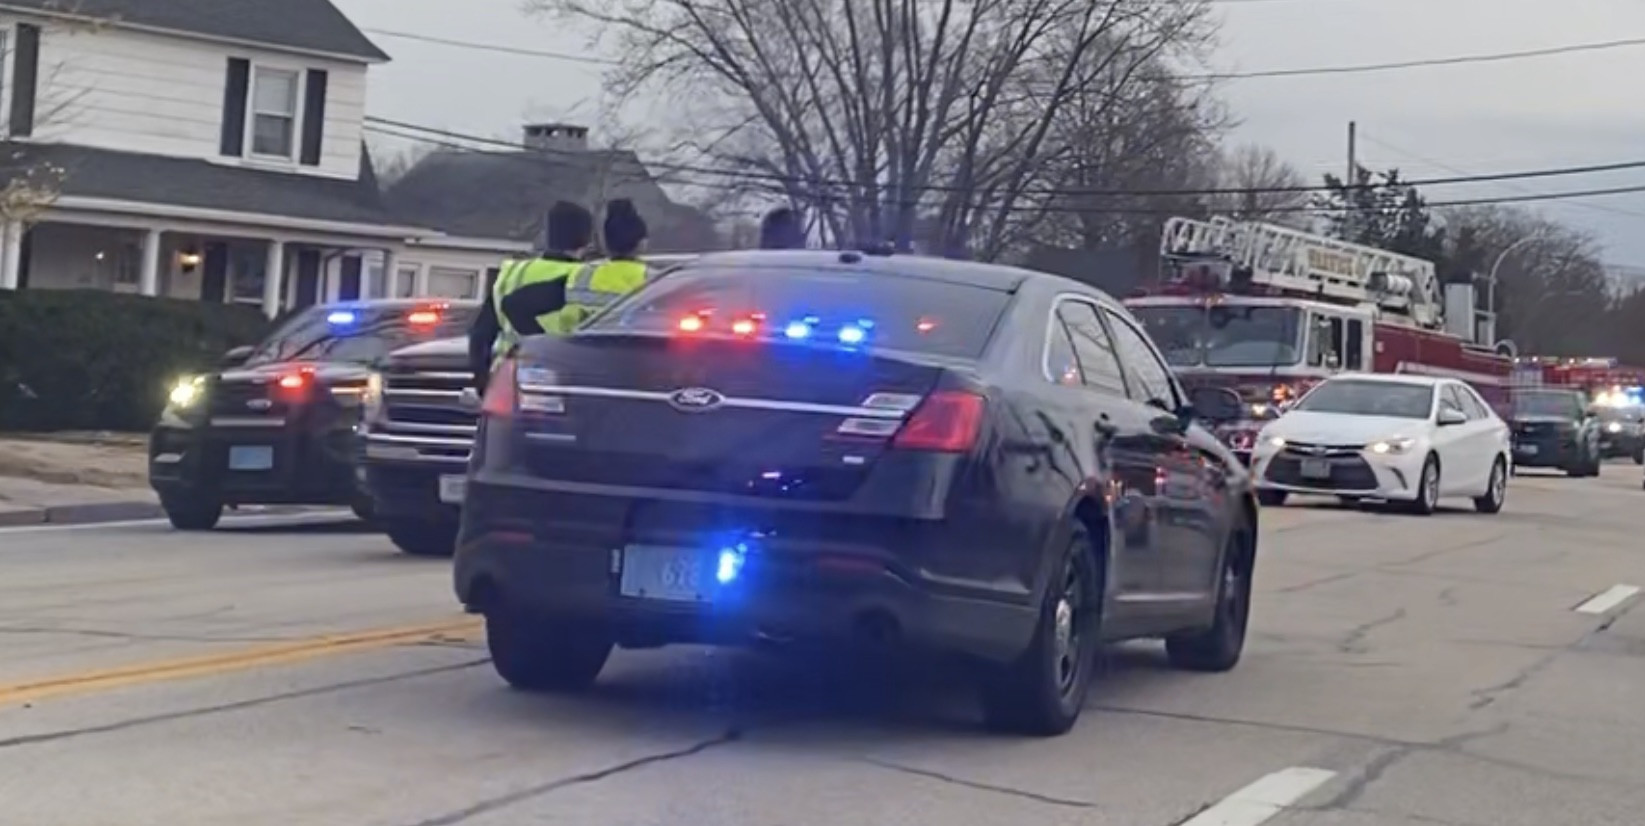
[{"x": 297, "y": 670}]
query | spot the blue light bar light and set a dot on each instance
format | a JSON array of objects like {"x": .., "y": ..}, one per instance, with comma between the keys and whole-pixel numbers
[
  {"x": 798, "y": 329},
  {"x": 341, "y": 317},
  {"x": 852, "y": 334},
  {"x": 730, "y": 563}
]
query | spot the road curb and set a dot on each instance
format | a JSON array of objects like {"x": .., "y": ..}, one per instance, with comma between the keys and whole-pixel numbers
[{"x": 92, "y": 513}]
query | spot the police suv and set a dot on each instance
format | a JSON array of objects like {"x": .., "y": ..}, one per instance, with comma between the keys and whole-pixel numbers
[{"x": 278, "y": 423}]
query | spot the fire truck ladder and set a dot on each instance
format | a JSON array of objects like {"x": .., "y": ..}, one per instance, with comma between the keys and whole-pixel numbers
[{"x": 1316, "y": 266}]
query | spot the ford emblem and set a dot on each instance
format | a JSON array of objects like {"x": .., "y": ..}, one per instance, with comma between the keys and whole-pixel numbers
[
  {"x": 695, "y": 399},
  {"x": 259, "y": 404}
]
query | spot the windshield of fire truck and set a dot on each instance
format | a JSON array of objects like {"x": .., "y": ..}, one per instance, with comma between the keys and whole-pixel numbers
[{"x": 1225, "y": 335}]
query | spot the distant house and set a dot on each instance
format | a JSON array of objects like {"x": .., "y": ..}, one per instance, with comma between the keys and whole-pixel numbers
[
  {"x": 488, "y": 205},
  {"x": 208, "y": 150}
]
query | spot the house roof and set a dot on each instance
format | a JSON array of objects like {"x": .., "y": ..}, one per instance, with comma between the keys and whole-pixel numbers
[
  {"x": 505, "y": 195},
  {"x": 305, "y": 25},
  {"x": 185, "y": 182}
]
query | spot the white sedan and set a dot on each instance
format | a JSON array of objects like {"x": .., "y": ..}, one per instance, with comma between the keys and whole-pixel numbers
[{"x": 1410, "y": 440}]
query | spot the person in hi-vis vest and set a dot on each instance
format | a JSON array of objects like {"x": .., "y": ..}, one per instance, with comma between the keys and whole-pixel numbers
[
  {"x": 542, "y": 280},
  {"x": 602, "y": 282}
]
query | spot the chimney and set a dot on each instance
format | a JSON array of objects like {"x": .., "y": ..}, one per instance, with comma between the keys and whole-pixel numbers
[{"x": 556, "y": 137}]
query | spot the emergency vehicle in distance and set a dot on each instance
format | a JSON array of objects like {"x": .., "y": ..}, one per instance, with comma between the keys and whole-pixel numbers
[
  {"x": 1614, "y": 392},
  {"x": 1269, "y": 311},
  {"x": 277, "y": 423}
]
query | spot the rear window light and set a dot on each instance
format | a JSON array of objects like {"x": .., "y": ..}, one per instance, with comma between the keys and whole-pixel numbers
[{"x": 948, "y": 421}]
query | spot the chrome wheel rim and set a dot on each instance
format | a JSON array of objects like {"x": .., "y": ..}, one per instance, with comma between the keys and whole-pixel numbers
[{"x": 1430, "y": 486}]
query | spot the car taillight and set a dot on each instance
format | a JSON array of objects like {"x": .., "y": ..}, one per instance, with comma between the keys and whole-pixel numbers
[
  {"x": 501, "y": 392},
  {"x": 947, "y": 421},
  {"x": 295, "y": 386}
]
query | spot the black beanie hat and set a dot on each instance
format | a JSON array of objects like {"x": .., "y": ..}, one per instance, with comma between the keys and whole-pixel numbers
[{"x": 624, "y": 228}]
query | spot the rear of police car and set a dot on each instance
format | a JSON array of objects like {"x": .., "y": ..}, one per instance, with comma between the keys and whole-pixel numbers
[{"x": 743, "y": 451}]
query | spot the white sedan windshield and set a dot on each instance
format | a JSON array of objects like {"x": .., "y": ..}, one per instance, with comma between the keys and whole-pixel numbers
[{"x": 1370, "y": 398}]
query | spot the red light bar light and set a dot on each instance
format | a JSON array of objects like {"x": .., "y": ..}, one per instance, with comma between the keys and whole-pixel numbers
[
  {"x": 744, "y": 326},
  {"x": 423, "y": 317},
  {"x": 293, "y": 381},
  {"x": 691, "y": 324}
]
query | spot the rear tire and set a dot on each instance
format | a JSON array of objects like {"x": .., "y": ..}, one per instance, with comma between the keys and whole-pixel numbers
[
  {"x": 1042, "y": 693},
  {"x": 1427, "y": 498},
  {"x": 1496, "y": 490},
  {"x": 1272, "y": 498},
  {"x": 1218, "y": 648},
  {"x": 533, "y": 653},
  {"x": 363, "y": 510},
  {"x": 418, "y": 538},
  {"x": 195, "y": 515},
  {"x": 1639, "y": 455}
]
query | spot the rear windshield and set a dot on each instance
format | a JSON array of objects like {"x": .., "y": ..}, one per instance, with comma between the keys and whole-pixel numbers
[
  {"x": 359, "y": 335},
  {"x": 824, "y": 307}
]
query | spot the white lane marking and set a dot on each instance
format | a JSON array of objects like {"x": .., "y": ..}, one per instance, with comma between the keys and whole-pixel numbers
[
  {"x": 1608, "y": 599},
  {"x": 229, "y": 521},
  {"x": 1261, "y": 800}
]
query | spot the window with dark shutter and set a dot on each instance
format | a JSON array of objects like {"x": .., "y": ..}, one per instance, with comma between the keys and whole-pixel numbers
[
  {"x": 235, "y": 91},
  {"x": 314, "y": 117},
  {"x": 25, "y": 79}
]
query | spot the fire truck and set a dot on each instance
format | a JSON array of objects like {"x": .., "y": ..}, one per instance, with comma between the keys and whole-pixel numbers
[
  {"x": 1605, "y": 380},
  {"x": 1269, "y": 310}
]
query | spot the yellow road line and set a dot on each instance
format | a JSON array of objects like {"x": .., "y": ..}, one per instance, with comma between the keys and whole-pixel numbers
[{"x": 451, "y": 630}]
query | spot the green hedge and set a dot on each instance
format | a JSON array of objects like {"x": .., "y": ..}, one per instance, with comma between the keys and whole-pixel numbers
[{"x": 94, "y": 360}]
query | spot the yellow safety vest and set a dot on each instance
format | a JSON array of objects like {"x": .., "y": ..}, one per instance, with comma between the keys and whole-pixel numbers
[
  {"x": 517, "y": 273},
  {"x": 592, "y": 287}
]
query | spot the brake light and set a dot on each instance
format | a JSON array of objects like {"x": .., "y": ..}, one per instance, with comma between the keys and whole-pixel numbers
[
  {"x": 691, "y": 324},
  {"x": 947, "y": 422},
  {"x": 501, "y": 391}
]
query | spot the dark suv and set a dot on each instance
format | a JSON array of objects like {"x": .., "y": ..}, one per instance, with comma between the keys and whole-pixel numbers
[
  {"x": 1553, "y": 429},
  {"x": 840, "y": 447},
  {"x": 277, "y": 424}
]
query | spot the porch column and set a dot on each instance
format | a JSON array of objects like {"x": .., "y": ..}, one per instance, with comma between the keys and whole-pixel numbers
[
  {"x": 391, "y": 275},
  {"x": 274, "y": 278},
  {"x": 363, "y": 270},
  {"x": 149, "y": 281},
  {"x": 11, "y": 258}
]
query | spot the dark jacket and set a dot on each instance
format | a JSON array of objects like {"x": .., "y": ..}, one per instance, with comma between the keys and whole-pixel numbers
[{"x": 521, "y": 307}]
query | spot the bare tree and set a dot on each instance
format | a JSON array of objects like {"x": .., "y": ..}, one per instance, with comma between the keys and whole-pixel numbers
[
  {"x": 392, "y": 164},
  {"x": 890, "y": 119},
  {"x": 1262, "y": 178}
]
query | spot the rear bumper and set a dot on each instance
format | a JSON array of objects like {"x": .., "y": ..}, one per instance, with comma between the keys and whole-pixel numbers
[
  {"x": 808, "y": 578},
  {"x": 307, "y": 468}
]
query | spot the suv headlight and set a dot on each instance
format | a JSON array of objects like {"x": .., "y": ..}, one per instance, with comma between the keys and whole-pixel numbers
[
  {"x": 186, "y": 393},
  {"x": 1391, "y": 447},
  {"x": 1613, "y": 427}
]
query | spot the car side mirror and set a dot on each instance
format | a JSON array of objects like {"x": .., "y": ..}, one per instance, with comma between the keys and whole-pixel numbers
[
  {"x": 1216, "y": 405},
  {"x": 236, "y": 356},
  {"x": 1449, "y": 417}
]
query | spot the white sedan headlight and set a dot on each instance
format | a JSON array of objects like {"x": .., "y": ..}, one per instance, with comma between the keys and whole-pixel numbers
[
  {"x": 186, "y": 392},
  {"x": 1391, "y": 447}
]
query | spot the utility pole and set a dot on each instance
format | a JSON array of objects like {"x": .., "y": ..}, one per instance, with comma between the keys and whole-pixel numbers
[{"x": 1353, "y": 165}]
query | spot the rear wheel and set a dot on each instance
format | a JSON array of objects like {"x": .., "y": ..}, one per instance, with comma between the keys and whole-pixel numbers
[
  {"x": 1427, "y": 496},
  {"x": 1218, "y": 648},
  {"x": 420, "y": 538},
  {"x": 193, "y": 515},
  {"x": 1271, "y": 498},
  {"x": 1639, "y": 454},
  {"x": 1043, "y": 692},
  {"x": 534, "y": 653},
  {"x": 1496, "y": 490},
  {"x": 362, "y": 509}
]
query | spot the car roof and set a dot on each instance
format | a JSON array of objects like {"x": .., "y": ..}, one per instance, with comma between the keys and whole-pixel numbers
[
  {"x": 396, "y": 303},
  {"x": 967, "y": 273},
  {"x": 1395, "y": 378}
]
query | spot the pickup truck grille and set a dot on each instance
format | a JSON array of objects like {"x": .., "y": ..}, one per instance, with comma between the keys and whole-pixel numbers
[{"x": 425, "y": 416}]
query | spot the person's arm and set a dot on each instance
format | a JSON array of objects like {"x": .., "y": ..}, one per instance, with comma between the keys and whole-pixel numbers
[
  {"x": 523, "y": 306},
  {"x": 482, "y": 334}
]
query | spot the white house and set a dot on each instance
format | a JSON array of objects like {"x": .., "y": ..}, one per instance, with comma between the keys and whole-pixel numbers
[
  {"x": 215, "y": 151},
  {"x": 207, "y": 150}
]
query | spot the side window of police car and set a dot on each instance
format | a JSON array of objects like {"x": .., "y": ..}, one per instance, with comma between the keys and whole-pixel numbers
[
  {"x": 1099, "y": 367},
  {"x": 1148, "y": 377}
]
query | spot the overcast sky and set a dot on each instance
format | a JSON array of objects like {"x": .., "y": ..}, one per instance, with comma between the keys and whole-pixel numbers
[{"x": 1565, "y": 110}]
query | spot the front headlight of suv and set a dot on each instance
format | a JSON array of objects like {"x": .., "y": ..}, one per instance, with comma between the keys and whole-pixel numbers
[
  {"x": 186, "y": 393},
  {"x": 1391, "y": 447}
]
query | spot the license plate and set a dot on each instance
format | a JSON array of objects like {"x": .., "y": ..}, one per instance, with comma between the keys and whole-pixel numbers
[
  {"x": 1527, "y": 450},
  {"x": 666, "y": 574},
  {"x": 251, "y": 457},
  {"x": 1316, "y": 468},
  {"x": 453, "y": 489}
]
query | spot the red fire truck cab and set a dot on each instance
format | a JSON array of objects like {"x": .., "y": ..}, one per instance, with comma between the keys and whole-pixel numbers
[{"x": 1269, "y": 310}]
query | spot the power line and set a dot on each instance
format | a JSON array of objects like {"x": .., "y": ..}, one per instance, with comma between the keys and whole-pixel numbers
[
  {"x": 1311, "y": 71},
  {"x": 744, "y": 174},
  {"x": 1448, "y": 168},
  {"x": 540, "y": 156}
]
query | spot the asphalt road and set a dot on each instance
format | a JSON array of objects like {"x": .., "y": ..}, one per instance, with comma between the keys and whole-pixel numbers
[{"x": 1402, "y": 670}]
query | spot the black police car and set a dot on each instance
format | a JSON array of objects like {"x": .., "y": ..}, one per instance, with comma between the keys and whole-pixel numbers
[
  {"x": 277, "y": 424},
  {"x": 1552, "y": 428},
  {"x": 417, "y": 436},
  {"x": 813, "y": 446}
]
